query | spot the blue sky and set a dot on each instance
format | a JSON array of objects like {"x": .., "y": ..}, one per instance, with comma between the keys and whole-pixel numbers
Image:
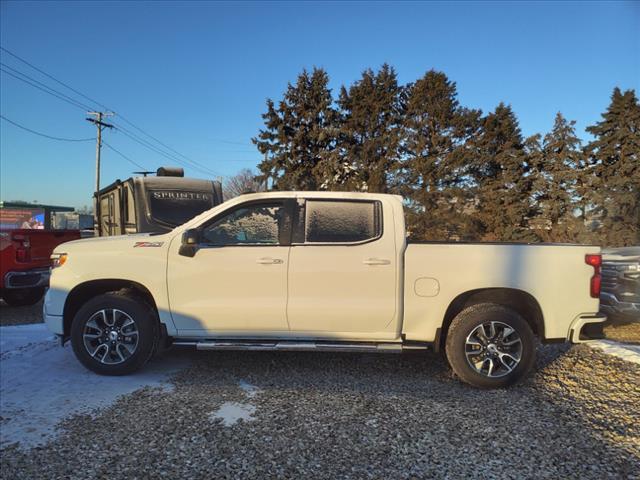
[{"x": 196, "y": 75}]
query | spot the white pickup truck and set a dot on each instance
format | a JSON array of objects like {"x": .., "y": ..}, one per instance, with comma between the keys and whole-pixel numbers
[{"x": 319, "y": 271}]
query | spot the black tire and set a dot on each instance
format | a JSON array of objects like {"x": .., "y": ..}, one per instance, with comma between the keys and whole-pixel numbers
[
  {"x": 457, "y": 349},
  {"x": 20, "y": 297},
  {"x": 146, "y": 323}
]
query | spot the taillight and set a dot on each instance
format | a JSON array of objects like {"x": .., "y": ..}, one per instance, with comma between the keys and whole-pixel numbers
[
  {"x": 23, "y": 250},
  {"x": 596, "y": 281}
]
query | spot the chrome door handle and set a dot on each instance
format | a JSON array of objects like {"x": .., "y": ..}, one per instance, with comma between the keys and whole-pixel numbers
[
  {"x": 268, "y": 261},
  {"x": 376, "y": 261}
]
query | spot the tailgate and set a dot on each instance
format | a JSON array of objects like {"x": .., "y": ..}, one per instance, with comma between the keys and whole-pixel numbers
[{"x": 43, "y": 242}]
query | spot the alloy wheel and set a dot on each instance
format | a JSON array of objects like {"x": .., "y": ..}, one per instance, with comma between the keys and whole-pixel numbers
[
  {"x": 493, "y": 349},
  {"x": 110, "y": 336}
]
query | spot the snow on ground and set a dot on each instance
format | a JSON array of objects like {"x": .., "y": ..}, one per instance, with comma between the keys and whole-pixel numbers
[
  {"x": 42, "y": 383},
  {"x": 231, "y": 412},
  {"x": 628, "y": 352}
]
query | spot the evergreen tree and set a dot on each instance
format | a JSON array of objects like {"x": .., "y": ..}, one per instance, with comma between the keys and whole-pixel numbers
[
  {"x": 299, "y": 134},
  {"x": 557, "y": 165},
  {"x": 614, "y": 165},
  {"x": 433, "y": 172},
  {"x": 370, "y": 116},
  {"x": 501, "y": 170}
]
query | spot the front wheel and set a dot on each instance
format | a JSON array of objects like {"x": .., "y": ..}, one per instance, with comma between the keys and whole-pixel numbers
[
  {"x": 490, "y": 346},
  {"x": 114, "y": 334}
]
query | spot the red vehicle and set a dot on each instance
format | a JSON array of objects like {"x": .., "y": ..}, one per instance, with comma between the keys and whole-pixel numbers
[{"x": 26, "y": 243}]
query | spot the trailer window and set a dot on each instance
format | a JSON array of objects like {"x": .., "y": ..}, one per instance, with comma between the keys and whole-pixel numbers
[
  {"x": 341, "y": 221},
  {"x": 107, "y": 214},
  {"x": 129, "y": 207}
]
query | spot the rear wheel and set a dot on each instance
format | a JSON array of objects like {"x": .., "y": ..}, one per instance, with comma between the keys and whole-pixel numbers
[
  {"x": 114, "y": 334},
  {"x": 490, "y": 346},
  {"x": 22, "y": 296}
]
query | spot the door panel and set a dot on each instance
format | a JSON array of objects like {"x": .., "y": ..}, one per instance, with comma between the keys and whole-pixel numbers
[
  {"x": 236, "y": 283},
  {"x": 229, "y": 289},
  {"x": 342, "y": 289}
]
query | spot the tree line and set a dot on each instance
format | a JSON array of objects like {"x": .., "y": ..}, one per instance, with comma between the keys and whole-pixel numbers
[{"x": 464, "y": 174}]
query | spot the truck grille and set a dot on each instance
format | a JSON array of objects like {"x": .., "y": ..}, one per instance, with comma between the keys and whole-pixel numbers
[{"x": 622, "y": 279}]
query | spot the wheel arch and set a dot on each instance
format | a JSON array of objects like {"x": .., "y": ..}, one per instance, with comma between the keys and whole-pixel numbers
[
  {"x": 522, "y": 302},
  {"x": 83, "y": 292}
]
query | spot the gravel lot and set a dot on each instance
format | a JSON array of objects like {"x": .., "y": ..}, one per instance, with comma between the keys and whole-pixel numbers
[
  {"x": 288, "y": 415},
  {"x": 20, "y": 315},
  {"x": 623, "y": 331}
]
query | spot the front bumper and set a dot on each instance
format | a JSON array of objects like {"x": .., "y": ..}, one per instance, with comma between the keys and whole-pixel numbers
[
  {"x": 55, "y": 323},
  {"x": 610, "y": 304},
  {"x": 579, "y": 330},
  {"x": 38, "y": 277}
]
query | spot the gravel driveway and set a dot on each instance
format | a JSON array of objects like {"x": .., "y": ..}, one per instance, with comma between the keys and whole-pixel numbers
[
  {"x": 291, "y": 415},
  {"x": 312, "y": 415}
]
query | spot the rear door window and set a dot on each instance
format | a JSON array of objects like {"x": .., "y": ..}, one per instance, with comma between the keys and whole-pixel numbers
[{"x": 342, "y": 221}]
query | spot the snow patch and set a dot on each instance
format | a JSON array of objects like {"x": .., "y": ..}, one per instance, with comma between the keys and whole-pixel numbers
[
  {"x": 42, "y": 383},
  {"x": 630, "y": 353},
  {"x": 232, "y": 412},
  {"x": 249, "y": 390}
]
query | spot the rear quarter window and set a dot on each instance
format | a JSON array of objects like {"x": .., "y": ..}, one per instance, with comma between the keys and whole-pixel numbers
[{"x": 341, "y": 221}]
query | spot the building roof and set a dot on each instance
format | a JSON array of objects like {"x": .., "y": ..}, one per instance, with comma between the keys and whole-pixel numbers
[{"x": 40, "y": 206}]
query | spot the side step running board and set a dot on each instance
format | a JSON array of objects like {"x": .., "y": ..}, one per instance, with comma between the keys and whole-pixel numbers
[{"x": 299, "y": 346}]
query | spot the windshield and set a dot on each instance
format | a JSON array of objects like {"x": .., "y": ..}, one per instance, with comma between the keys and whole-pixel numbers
[{"x": 175, "y": 207}]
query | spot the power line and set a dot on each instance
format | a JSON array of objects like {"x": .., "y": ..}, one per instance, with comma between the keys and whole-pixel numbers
[
  {"x": 123, "y": 155},
  {"x": 153, "y": 138},
  {"x": 52, "y": 78},
  {"x": 147, "y": 144},
  {"x": 45, "y": 135},
  {"x": 71, "y": 140},
  {"x": 193, "y": 163},
  {"x": 75, "y": 104},
  {"x": 22, "y": 74},
  {"x": 159, "y": 151}
]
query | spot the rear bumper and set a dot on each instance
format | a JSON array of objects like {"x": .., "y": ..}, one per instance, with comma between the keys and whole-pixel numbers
[
  {"x": 38, "y": 277},
  {"x": 579, "y": 332}
]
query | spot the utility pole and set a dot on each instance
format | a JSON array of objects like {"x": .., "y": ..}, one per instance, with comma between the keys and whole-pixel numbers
[{"x": 99, "y": 125}]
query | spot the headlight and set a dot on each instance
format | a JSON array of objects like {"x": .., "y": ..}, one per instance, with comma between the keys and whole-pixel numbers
[{"x": 58, "y": 259}]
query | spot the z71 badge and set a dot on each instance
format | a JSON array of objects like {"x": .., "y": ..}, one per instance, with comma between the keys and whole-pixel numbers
[{"x": 147, "y": 244}]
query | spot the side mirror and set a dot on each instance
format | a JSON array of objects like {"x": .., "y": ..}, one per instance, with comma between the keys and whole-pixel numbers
[{"x": 190, "y": 241}]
